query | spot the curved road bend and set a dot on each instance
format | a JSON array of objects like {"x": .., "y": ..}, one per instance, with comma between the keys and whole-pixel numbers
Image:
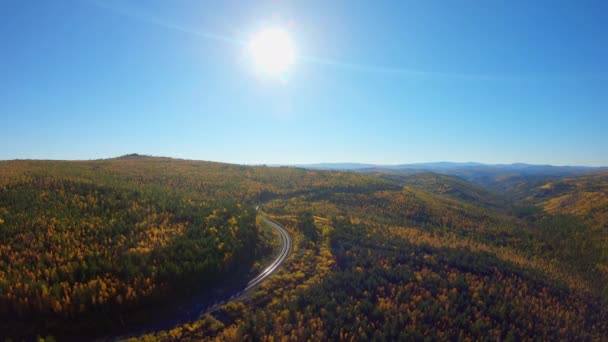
[{"x": 286, "y": 247}]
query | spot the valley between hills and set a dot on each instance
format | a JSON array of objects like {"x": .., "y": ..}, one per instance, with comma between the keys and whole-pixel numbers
[{"x": 115, "y": 248}]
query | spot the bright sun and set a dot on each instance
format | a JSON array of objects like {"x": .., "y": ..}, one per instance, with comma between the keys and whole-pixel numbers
[{"x": 272, "y": 51}]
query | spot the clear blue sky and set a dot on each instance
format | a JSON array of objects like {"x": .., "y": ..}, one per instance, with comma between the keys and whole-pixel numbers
[{"x": 393, "y": 82}]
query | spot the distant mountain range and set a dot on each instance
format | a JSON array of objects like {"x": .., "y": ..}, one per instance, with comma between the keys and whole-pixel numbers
[
  {"x": 494, "y": 176},
  {"x": 442, "y": 166}
]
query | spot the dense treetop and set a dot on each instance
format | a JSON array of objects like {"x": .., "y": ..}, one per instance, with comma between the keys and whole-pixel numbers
[{"x": 375, "y": 256}]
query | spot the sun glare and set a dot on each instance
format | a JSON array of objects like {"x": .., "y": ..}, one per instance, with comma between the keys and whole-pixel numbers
[{"x": 272, "y": 51}]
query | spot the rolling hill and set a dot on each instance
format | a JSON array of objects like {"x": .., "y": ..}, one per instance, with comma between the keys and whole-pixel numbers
[
  {"x": 585, "y": 197},
  {"x": 451, "y": 186},
  {"x": 85, "y": 244},
  {"x": 498, "y": 177}
]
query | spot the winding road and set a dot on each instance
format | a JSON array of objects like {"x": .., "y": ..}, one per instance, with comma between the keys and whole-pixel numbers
[{"x": 286, "y": 248}]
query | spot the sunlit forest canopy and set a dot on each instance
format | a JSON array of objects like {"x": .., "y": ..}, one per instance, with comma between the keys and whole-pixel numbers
[{"x": 85, "y": 244}]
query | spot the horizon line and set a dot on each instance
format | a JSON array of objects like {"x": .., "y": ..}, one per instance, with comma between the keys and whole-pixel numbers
[{"x": 303, "y": 165}]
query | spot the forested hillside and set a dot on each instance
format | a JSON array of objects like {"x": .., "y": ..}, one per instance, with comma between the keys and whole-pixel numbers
[
  {"x": 585, "y": 197},
  {"x": 81, "y": 245},
  {"x": 573, "y": 217},
  {"x": 448, "y": 185},
  {"x": 375, "y": 257},
  {"x": 364, "y": 283}
]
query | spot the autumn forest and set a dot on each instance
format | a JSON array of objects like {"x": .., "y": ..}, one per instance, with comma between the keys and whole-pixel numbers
[{"x": 95, "y": 249}]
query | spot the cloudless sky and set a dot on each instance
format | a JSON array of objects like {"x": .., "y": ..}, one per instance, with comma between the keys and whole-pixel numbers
[{"x": 377, "y": 82}]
